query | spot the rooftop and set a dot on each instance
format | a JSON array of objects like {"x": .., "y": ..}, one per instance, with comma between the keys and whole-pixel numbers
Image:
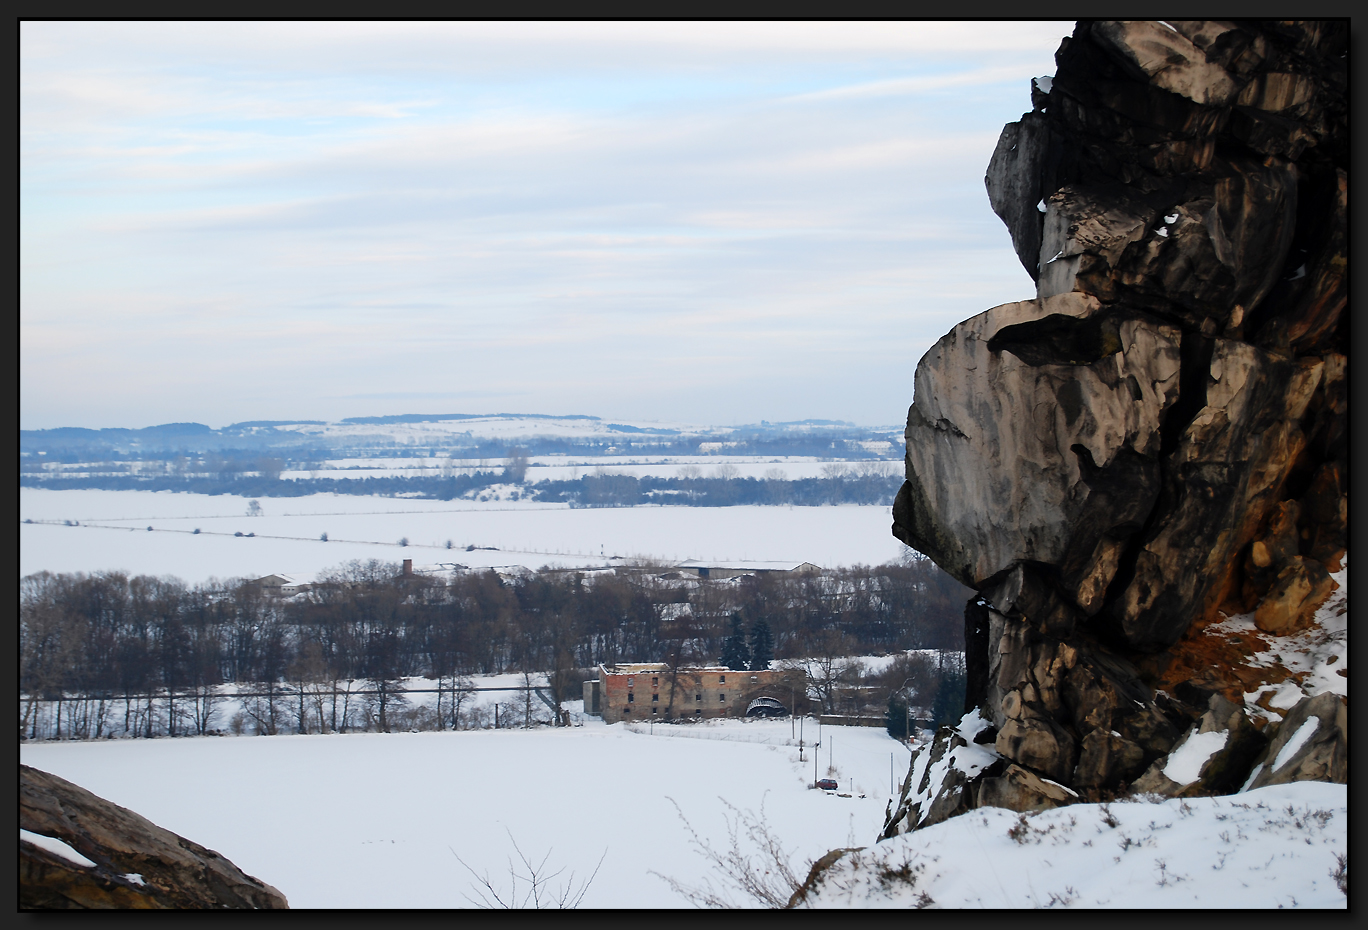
[
  {"x": 648, "y": 668},
  {"x": 745, "y": 566}
]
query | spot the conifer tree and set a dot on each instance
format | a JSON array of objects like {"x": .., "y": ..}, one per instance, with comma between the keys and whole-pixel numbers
[
  {"x": 761, "y": 646},
  {"x": 734, "y": 652},
  {"x": 948, "y": 704}
]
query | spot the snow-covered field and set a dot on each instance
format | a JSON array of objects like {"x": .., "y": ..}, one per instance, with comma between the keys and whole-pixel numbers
[
  {"x": 113, "y": 533},
  {"x": 572, "y": 468},
  {"x": 371, "y": 820},
  {"x": 545, "y": 467},
  {"x": 377, "y": 821}
]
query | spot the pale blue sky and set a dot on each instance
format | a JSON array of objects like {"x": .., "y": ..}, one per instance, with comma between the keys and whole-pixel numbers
[{"x": 687, "y": 222}]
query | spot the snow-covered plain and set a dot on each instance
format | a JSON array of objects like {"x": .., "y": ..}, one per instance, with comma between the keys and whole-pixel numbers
[
  {"x": 562, "y": 468},
  {"x": 377, "y": 820},
  {"x": 113, "y": 533},
  {"x": 542, "y": 467}
]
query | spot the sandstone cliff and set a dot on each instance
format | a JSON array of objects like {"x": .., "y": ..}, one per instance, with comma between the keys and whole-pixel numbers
[
  {"x": 79, "y": 851},
  {"x": 1156, "y": 441}
]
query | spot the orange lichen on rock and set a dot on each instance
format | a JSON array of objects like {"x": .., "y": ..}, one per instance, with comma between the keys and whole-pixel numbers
[{"x": 1223, "y": 660}]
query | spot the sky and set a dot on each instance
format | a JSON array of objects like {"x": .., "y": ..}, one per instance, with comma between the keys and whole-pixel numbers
[{"x": 706, "y": 223}]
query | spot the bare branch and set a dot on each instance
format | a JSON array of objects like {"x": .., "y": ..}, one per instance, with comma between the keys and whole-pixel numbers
[
  {"x": 766, "y": 877},
  {"x": 538, "y": 894}
]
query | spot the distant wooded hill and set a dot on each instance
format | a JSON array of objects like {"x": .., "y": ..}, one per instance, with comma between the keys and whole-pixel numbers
[{"x": 588, "y": 491}]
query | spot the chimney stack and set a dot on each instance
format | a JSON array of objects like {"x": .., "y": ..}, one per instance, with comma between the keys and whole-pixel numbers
[{"x": 408, "y": 568}]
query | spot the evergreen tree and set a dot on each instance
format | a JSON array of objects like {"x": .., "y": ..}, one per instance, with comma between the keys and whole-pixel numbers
[
  {"x": 761, "y": 646},
  {"x": 734, "y": 652},
  {"x": 895, "y": 718},
  {"x": 948, "y": 705}
]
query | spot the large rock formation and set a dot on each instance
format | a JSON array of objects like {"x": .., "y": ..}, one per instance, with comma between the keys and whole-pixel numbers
[
  {"x": 1160, "y": 435},
  {"x": 79, "y": 851}
]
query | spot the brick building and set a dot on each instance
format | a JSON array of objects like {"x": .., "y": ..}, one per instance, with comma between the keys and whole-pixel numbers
[{"x": 651, "y": 691}]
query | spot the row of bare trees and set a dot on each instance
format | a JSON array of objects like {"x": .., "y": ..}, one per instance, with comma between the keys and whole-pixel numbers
[{"x": 110, "y": 646}]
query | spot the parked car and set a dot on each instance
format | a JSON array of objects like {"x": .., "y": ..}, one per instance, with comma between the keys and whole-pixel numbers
[{"x": 827, "y": 784}]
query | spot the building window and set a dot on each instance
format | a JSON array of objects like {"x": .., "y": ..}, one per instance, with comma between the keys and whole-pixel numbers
[
  {"x": 698, "y": 713},
  {"x": 629, "y": 681},
  {"x": 698, "y": 698},
  {"x": 655, "y": 681},
  {"x": 655, "y": 699},
  {"x": 755, "y": 678},
  {"x": 626, "y": 710},
  {"x": 654, "y": 710},
  {"x": 721, "y": 679},
  {"x": 631, "y": 698},
  {"x": 722, "y": 698}
]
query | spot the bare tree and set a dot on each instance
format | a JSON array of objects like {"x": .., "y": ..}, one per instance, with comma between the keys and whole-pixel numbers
[
  {"x": 536, "y": 891},
  {"x": 515, "y": 467},
  {"x": 265, "y": 713},
  {"x": 458, "y": 684},
  {"x": 754, "y": 862},
  {"x": 203, "y": 699},
  {"x": 527, "y": 703},
  {"x": 306, "y": 673},
  {"x": 827, "y": 667}
]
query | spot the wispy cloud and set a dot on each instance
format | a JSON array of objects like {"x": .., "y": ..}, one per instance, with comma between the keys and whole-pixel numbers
[{"x": 324, "y": 220}]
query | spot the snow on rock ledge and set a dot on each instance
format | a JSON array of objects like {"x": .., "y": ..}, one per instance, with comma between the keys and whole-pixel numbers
[{"x": 1276, "y": 847}]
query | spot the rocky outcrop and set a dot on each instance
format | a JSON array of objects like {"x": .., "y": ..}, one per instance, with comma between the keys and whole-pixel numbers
[
  {"x": 79, "y": 851},
  {"x": 943, "y": 777},
  {"x": 1312, "y": 744},
  {"x": 1213, "y": 757},
  {"x": 1160, "y": 434}
]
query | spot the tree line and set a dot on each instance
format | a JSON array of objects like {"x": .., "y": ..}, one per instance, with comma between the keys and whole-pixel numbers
[
  {"x": 870, "y": 485},
  {"x": 231, "y": 446},
  {"x": 130, "y": 640}
]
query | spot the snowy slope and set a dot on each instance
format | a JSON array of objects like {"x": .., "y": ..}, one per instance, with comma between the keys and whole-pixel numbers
[{"x": 1275, "y": 847}]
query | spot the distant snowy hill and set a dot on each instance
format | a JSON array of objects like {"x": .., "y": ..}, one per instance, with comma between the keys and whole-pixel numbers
[{"x": 433, "y": 430}]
